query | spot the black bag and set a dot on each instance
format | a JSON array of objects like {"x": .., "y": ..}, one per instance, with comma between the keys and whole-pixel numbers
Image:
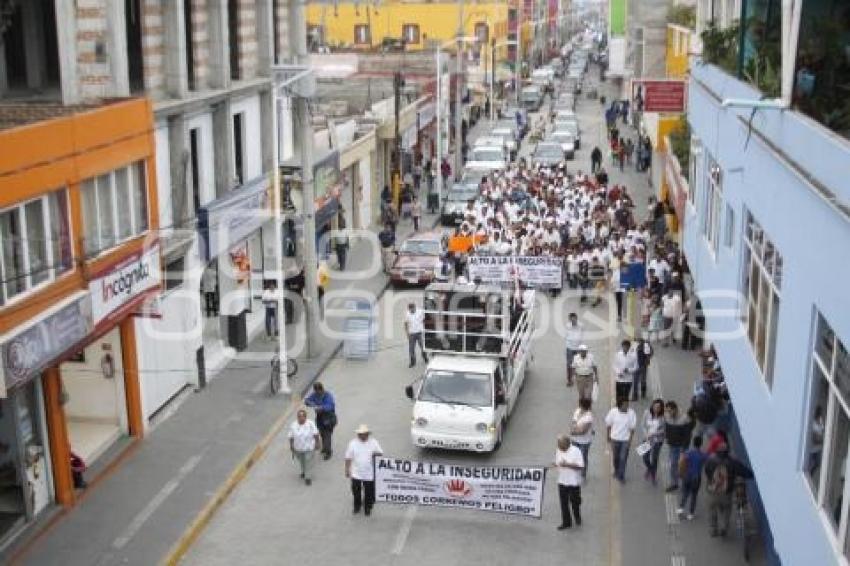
[{"x": 327, "y": 420}]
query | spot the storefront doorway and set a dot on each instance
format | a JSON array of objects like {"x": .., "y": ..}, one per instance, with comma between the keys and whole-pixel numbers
[
  {"x": 24, "y": 471},
  {"x": 94, "y": 398}
]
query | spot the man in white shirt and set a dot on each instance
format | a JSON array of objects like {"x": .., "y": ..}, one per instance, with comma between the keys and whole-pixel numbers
[
  {"x": 585, "y": 372},
  {"x": 304, "y": 442},
  {"x": 570, "y": 463},
  {"x": 621, "y": 421},
  {"x": 573, "y": 337},
  {"x": 671, "y": 311},
  {"x": 360, "y": 468},
  {"x": 414, "y": 324},
  {"x": 623, "y": 366}
]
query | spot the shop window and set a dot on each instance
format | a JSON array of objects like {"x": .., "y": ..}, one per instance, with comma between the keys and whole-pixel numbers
[
  {"x": 362, "y": 34},
  {"x": 822, "y": 79},
  {"x": 114, "y": 208},
  {"x": 35, "y": 244},
  {"x": 827, "y": 434},
  {"x": 761, "y": 288},
  {"x": 410, "y": 33}
]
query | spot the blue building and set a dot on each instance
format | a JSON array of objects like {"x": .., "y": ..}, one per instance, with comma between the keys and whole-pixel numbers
[{"x": 767, "y": 238}]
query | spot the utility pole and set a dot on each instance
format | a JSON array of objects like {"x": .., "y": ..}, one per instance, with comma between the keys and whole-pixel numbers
[
  {"x": 492, "y": 78},
  {"x": 438, "y": 175},
  {"x": 459, "y": 93},
  {"x": 398, "y": 82},
  {"x": 302, "y": 119},
  {"x": 518, "y": 51}
]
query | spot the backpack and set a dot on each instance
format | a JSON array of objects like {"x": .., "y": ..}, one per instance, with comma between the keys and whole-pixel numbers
[{"x": 719, "y": 483}]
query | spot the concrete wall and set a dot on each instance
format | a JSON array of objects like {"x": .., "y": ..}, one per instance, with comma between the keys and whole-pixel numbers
[
  {"x": 90, "y": 394},
  {"x": 811, "y": 236}
]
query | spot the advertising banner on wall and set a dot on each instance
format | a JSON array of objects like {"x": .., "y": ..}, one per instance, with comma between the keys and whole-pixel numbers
[
  {"x": 121, "y": 283},
  {"x": 534, "y": 272},
  {"x": 512, "y": 490},
  {"x": 662, "y": 95}
]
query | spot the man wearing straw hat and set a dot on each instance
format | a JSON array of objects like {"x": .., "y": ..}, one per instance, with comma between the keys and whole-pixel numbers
[{"x": 359, "y": 467}]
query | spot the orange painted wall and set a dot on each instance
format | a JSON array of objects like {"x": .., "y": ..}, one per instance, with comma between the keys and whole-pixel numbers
[{"x": 45, "y": 156}]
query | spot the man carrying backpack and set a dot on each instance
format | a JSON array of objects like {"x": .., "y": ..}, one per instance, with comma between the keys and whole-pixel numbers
[{"x": 722, "y": 471}]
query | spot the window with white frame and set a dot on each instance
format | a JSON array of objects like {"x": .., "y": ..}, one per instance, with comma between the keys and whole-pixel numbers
[
  {"x": 115, "y": 207},
  {"x": 35, "y": 243},
  {"x": 828, "y": 429},
  {"x": 410, "y": 33},
  {"x": 761, "y": 288},
  {"x": 712, "y": 206}
]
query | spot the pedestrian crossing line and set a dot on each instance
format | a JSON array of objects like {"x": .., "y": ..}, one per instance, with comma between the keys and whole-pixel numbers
[
  {"x": 677, "y": 560},
  {"x": 670, "y": 503}
]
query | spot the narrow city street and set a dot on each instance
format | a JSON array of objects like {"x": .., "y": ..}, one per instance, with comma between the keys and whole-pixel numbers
[{"x": 273, "y": 516}]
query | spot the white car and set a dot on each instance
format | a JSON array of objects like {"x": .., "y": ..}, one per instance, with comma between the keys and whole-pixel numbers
[
  {"x": 567, "y": 141},
  {"x": 487, "y": 158}
]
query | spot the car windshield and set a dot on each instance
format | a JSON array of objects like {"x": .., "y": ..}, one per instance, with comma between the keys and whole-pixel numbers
[
  {"x": 457, "y": 388},
  {"x": 462, "y": 195},
  {"x": 421, "y": 247},
  {"x": 567, "y": 127},
  {"x": 549, "y": 150},
  {"x": 562, "y": 136},
  {"x": 505, "y": 125},
  {"x": 486, "y": 154}
]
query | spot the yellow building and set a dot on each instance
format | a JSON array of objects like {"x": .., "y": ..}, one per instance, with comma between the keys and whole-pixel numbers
[
  {"x": 364, "y": 25},
  {"x": 679, "y": 45}
]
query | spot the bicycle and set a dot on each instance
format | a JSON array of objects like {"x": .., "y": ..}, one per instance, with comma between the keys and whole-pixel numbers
[
  {"x": 744, "y": 521},
  {"x": 275, "y": 381}
]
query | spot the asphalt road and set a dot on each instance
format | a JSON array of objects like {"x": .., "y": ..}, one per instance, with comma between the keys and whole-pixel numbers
[{"x": 273, "y": 518}]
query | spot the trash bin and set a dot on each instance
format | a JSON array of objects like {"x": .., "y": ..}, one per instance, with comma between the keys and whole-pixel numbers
[
  {"x": 237, "y": 332},
  {"x": 360, "y": 330}
]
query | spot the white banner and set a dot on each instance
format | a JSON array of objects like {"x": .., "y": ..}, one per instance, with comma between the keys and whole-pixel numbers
[
  {"x": 513, "y": 490},
  {"x": 536, "y": 272}
]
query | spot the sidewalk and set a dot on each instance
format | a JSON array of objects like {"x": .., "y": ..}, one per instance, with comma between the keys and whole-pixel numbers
[
  {"x": 671, "y": 377},
  {"x": 137, "y": 509}
]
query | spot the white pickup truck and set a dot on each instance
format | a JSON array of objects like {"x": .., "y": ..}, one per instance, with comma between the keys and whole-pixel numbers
[{"x": 479, "y": 342}]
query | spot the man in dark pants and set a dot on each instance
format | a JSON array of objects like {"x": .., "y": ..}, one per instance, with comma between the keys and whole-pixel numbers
[
  {"x": 323, "y": 402},
  {"x": 359, "y": 467},
  {"x": 595, "y": 160},
  {"x": 570, "y": 462},
  {"x": 341, "y": 248},
  {"x": 722, "y": 471},
  {"x": 644, "y": 352}
]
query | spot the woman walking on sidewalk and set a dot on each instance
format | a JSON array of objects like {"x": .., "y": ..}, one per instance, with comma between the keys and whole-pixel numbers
[
  {"x": 304, "y": 442},
  {"x": 653, "y": 432}
]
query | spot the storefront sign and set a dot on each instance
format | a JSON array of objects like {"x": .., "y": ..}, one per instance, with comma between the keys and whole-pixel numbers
[
  {"x": 233, "y": 218},
  {"x": 512, "y": 490},
  {"x": 30, "y": 351},
  {"x": 659, "y": 95},
  {"x": 535, "y": 272},
  {"x": 124, "y": 282}
]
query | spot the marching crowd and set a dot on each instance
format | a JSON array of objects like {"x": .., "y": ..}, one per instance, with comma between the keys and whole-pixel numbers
[{"x": 608, "y": 248}]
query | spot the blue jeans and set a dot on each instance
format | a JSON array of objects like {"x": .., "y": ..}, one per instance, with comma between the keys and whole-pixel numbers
[
  {"x": 690, "y": 490},
  {"x": 675, "y": 452},
  {"x": 271, "y": 322},
  {"x": 620, "y": 452},
  {"x": 650, "y": 459}
]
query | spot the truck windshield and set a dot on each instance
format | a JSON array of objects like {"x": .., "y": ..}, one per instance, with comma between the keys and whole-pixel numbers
[{"x": 457, "y": 388}]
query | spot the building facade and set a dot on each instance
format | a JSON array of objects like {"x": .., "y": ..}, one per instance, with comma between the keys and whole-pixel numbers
[
  {"x": 766, "y": 223},
  {"x": 79, "y": 254}
]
